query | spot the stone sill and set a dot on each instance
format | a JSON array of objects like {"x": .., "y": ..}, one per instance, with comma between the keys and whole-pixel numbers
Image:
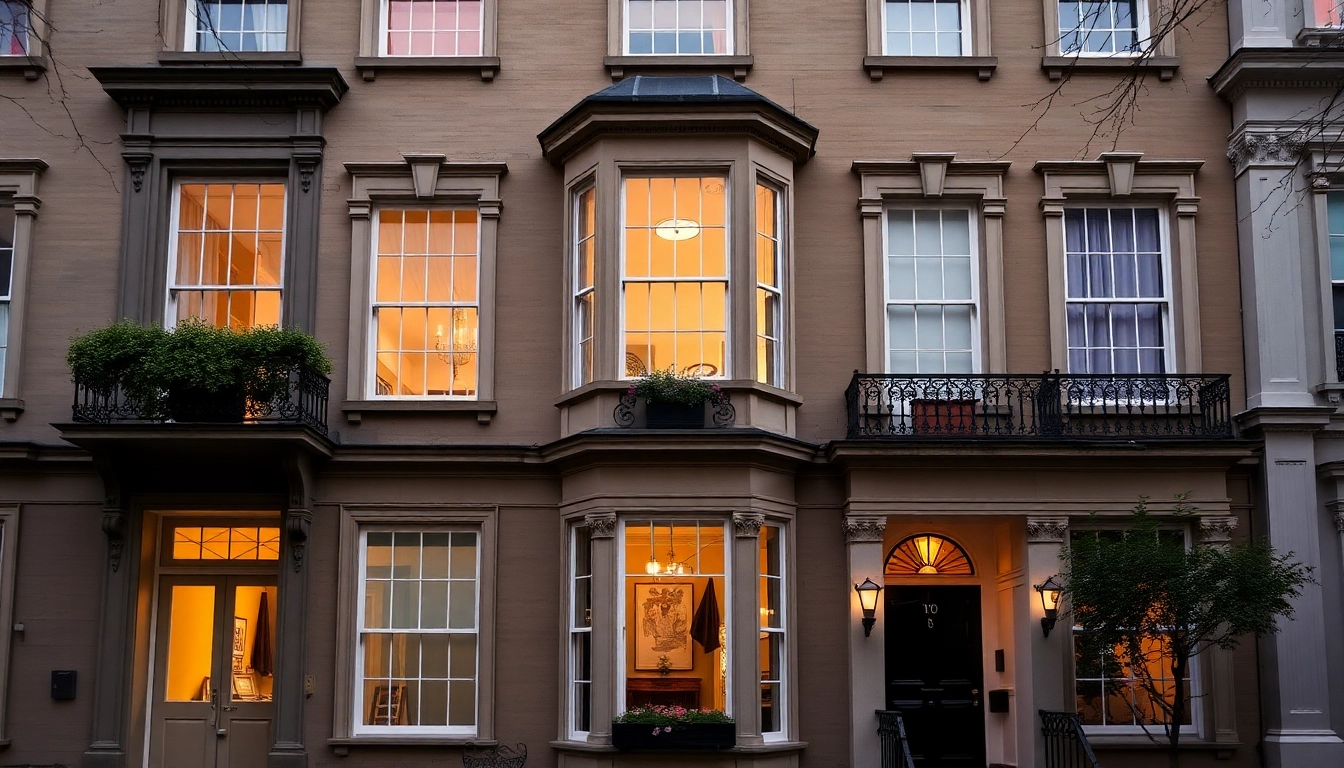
[
  {"x": 619, "y": 66},
  {"x": 343, "y": 744},
  {"x": 229, "y": 58},
  {"x": 1140, "y": 742},
  {"x": 369, "y": 66},
  {"x": 728, "y": 385},
  {"x": 769, "y": 747},
  {"x": 31, "y": 67},
  {"x": 1319, "y": 37},
  {"x": 354, "y": 410},
  {"x": 1056, "y": 66},
  {"x": 983, "y": 66},
  {"x": 10, "y": 408}
]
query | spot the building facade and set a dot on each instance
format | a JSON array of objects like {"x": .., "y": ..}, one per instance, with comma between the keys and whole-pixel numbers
[{"x": 947, "y": 332}]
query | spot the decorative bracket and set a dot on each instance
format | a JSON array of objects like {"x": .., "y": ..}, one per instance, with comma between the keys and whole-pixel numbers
[
  {"x": 860, "y": 528},
  {"x": 1047, "y": 530},
  {"x": 747, "y": 525},
  {"x": 298, "y": 524},
  {"x": 601, "y": 525}
]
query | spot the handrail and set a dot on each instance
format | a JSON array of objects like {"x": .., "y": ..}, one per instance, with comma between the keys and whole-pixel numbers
[
  {"x": 1065, "y": 741},
  {"x": 895, "y": 745},
  {"x": 1051, "y": 406}
]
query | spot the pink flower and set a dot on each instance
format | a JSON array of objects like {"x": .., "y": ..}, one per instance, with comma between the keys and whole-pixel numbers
[
  {"x": 667, "y": 729},
  {"x": 655, "y": 730}
]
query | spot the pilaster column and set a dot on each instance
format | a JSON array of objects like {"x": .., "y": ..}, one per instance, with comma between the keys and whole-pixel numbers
[
  {"x": 1216, "y": 532},
  {"x": 116, "y": 614},
  {"x": 291, "y": 643},
  {"x": 744, "y": 632},
  {"x": 1043, "y": 662},
  {"x": 602, "y": 537},
  {"x": 867, "y": 655}
]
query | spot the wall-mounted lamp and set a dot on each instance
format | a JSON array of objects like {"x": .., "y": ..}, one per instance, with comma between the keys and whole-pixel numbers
[
  {"x": 1050, "y": 602},
  {"x": 868, "y": 592}
]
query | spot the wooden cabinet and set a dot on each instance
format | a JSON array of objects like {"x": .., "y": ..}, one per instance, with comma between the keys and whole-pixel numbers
[{"x": 681, "y": 691}]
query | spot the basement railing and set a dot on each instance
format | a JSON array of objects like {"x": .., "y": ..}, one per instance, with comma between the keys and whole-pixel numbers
[
  {"x": 1050, "y": 406},
  {"x": 891, "y": 735},
  {"x": 1339, "y": 355},
  {"x": 1065, "y": 742}
]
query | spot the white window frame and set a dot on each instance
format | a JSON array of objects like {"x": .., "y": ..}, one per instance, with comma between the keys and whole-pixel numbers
[
  {"x": 973, "y": 224},
  {"x": 967, "y": 40},
  {"x": 783, "y": 705},
  {"x": 730, "y": 42},
  {"x": 1167, "y": 301},
  {"x": 580, "y": 377},
  {"x": 382, "y": 32},
  {"x": 623, "y": 598},
  {"x": 1195, "y": 690},
  {"x": 729, "y": 265},
  {"x": 1142, "y": 34},
  {"x": 371, "y": 346},
  {"x": 174, "y": 222},
  {"x": 9, "y": 544},
  {"x": 780, "y": 239},
  {"x": 193, "y": 15},
  {"x": 574, "y": 630},
  {"x": 6, "y": 289},
  {"x": 357, "y": 697}
]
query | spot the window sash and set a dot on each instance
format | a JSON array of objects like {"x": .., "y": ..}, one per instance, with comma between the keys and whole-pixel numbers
[
  {"x": 941, "y": 37},
  {"x": 1109, "y": 31},
  {"x": 922, "y": 356},
  {"x": 210, "y": 27},
  {"x": 584, "y": 318},
  {"x": 15, "y": 26},
  {"x": 580, "y": 639},
  {"x": 362, "y": 632},
  {"x": 770, "y": 290},
  {"x": 770, "y": 629},
  {"x": 411, "y": 40},
  {"x": 659, "y": 33}
]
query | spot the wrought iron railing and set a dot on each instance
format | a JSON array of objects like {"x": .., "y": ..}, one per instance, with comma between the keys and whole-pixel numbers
[
  {"x": 1065, "y": 743},
  {"x": 891, "y": 735},
  {"x": 1047, "y": 405},
  {"x": 1339, "y": 355},
  {"x": 298, "y": 396}
]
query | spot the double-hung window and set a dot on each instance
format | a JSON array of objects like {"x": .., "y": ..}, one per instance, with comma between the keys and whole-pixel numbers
[
  {"x": 418, "y": 620},
  {"x": 227, "y": 253},
  {"x": 14, "y": 27},
  {"x": 932, "y": 324},
  {"x": 1335, "y": 219},
  {"x": 431, "y": 28},
  {"x": 425, "y": 303},
  {"x": 678, "y": 27},
  {"x": 1117, "y": 303},
  {"x": 1102, "y": 27},
  {"x": 8, "y": 234},
  {"x": 774, "y": 633},
  {"x": 585, "y": 291},
  {"x": 237, "y": 25},
  {"x": 580, "y": 633},
  {"x": 769, "y": 288},
  {"x": 675, "y": 275},
  {"x": 926, "y": 27}
]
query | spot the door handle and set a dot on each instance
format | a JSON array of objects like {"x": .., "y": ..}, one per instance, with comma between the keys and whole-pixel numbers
[{"x": 229, "y": 709}]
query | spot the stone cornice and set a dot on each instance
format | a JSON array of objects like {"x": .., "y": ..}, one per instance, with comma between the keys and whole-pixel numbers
[
  {"x": 254, "y": 87},
  {"x": 1273, "y": 68}
]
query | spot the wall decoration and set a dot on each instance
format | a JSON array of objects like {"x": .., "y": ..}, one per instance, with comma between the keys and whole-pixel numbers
[
  {"x": 663, "y": 628},
  {"x": 244, "y": 688},
  {"x": 239, "y": 635}
]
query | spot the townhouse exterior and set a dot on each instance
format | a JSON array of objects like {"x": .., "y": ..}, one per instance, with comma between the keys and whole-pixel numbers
[{"x": 951, "y": 327}]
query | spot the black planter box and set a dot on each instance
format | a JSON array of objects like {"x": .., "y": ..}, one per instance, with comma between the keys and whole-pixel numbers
[
  {"x": 674, "y": 416},
  {"x": 202, "y": 406},
  {"x": 640, "y": 736}
]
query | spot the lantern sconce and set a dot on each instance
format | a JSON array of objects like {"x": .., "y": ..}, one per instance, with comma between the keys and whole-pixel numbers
[
  {"x": 868, "y": 592},
  {"x": 1049, "y": 592}
]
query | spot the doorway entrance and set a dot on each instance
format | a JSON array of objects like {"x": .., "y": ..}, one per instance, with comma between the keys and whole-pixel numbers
[
  {"x": 213, "y": 672},
  {"x": 935, "y": 676}
]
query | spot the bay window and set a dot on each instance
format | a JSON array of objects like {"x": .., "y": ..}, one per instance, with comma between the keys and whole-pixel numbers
[{"x": 226, "y": 254}]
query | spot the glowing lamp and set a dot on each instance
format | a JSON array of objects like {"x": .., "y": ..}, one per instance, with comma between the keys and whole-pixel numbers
[{"x": 868, "y": 592}]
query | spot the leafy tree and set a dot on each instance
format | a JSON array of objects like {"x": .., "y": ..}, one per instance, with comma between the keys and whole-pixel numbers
[{"x": 1148, "y": 604}]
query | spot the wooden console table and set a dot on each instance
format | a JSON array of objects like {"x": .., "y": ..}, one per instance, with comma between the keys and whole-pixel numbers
[{"x": 668, "y": 691}]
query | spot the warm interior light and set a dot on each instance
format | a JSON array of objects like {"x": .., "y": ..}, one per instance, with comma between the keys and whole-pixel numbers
[
  {"x": 1049, "y": 592},
  {"x": 868, "y": 592},
  {"x": 676, "y": 229}
]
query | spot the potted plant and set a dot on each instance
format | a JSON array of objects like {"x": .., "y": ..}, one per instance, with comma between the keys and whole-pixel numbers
[
  {"x": 196, "y": 372},
  {"x": 657, "y": 726},
  {"x": 672, "y": 401}
]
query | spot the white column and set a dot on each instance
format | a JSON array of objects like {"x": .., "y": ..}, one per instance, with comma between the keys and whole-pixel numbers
[
  {"x": 867, "y": 655},
  {"x": 1042, "y": 661}
]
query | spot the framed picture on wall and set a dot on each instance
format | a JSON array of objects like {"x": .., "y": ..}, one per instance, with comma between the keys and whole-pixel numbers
[
  {"x": 663, "y": 612},
  {"x": 239, "y": 635},
  {"x": 244, "y": 687}
]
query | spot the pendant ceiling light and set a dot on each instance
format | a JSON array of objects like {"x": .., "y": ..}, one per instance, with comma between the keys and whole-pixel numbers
[{"x": 676, "y": 229}]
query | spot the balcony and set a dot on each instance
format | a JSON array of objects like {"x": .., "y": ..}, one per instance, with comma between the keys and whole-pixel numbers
[
  {"x": 1339, "y": 355},
  {"x": 1047, "y": 406}
]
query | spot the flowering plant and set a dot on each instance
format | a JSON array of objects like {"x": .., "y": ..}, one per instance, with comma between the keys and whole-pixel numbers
[
  {"x": 668, "y": 387},
  {"x": 665, "y": 716}
]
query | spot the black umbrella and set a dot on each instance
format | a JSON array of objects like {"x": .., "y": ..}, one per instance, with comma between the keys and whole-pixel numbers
[
  {"x": 705, "y": 625},
  {"x": 263, "y": 657}
]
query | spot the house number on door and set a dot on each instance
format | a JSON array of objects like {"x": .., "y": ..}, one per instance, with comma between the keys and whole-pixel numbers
[{"x": 929, "y": 610}]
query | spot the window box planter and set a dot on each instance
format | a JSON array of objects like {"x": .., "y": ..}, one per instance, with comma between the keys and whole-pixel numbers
[
  {"x": 943, "y": 417},
  {"x": 682, "y": 736},
  {"x": 674, "y": 415}
]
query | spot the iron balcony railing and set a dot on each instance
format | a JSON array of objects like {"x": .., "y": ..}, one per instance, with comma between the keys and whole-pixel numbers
[
  {"x": 303, "y": 401},
  {"x": 1339, "y": 355},
  {"x": 1065, "y": 743},
  {"x": 1047, "y": 405},
  {"x": 891, "y": 735}
]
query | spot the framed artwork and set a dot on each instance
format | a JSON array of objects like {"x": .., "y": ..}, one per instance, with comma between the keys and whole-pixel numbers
[
  {"x": 243, "y": 686},
  {"x": 239, "y": 635},
  {"x": 386, "y": 706},
  {"x": 238, "y": 663},
  {"x": 663, "y": 613}
]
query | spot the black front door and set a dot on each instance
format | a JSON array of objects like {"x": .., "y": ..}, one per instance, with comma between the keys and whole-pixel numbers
[{"x": 934, "y": 675}]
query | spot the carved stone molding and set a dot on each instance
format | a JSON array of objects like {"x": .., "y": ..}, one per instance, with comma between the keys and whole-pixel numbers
[
  {"x": 1217, "y": 531},
  {"x": 1274, "y": 149},
  {"x": 1047, "y": 530},
  {"x": 863, "y": 528},
  {"x": 114, "y": 526},
  {"x": 298, "y": 523},
  {"x": 1337, "y": 513},
  {"x": 747, "y": 525},
  {"x": 138, "y": 162},
  {"x": 601, "y": 525}
]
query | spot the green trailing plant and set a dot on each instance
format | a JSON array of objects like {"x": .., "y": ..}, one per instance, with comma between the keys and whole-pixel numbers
[
  {"x": 669, "y": 715},
  {"x": 667, "y": 387},
  {"x": 1146, "y": 604},
  {"x": 148, "y": 363}
]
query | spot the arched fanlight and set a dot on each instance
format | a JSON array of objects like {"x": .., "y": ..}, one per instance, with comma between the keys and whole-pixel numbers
[{"x": 928, "y": 554}]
